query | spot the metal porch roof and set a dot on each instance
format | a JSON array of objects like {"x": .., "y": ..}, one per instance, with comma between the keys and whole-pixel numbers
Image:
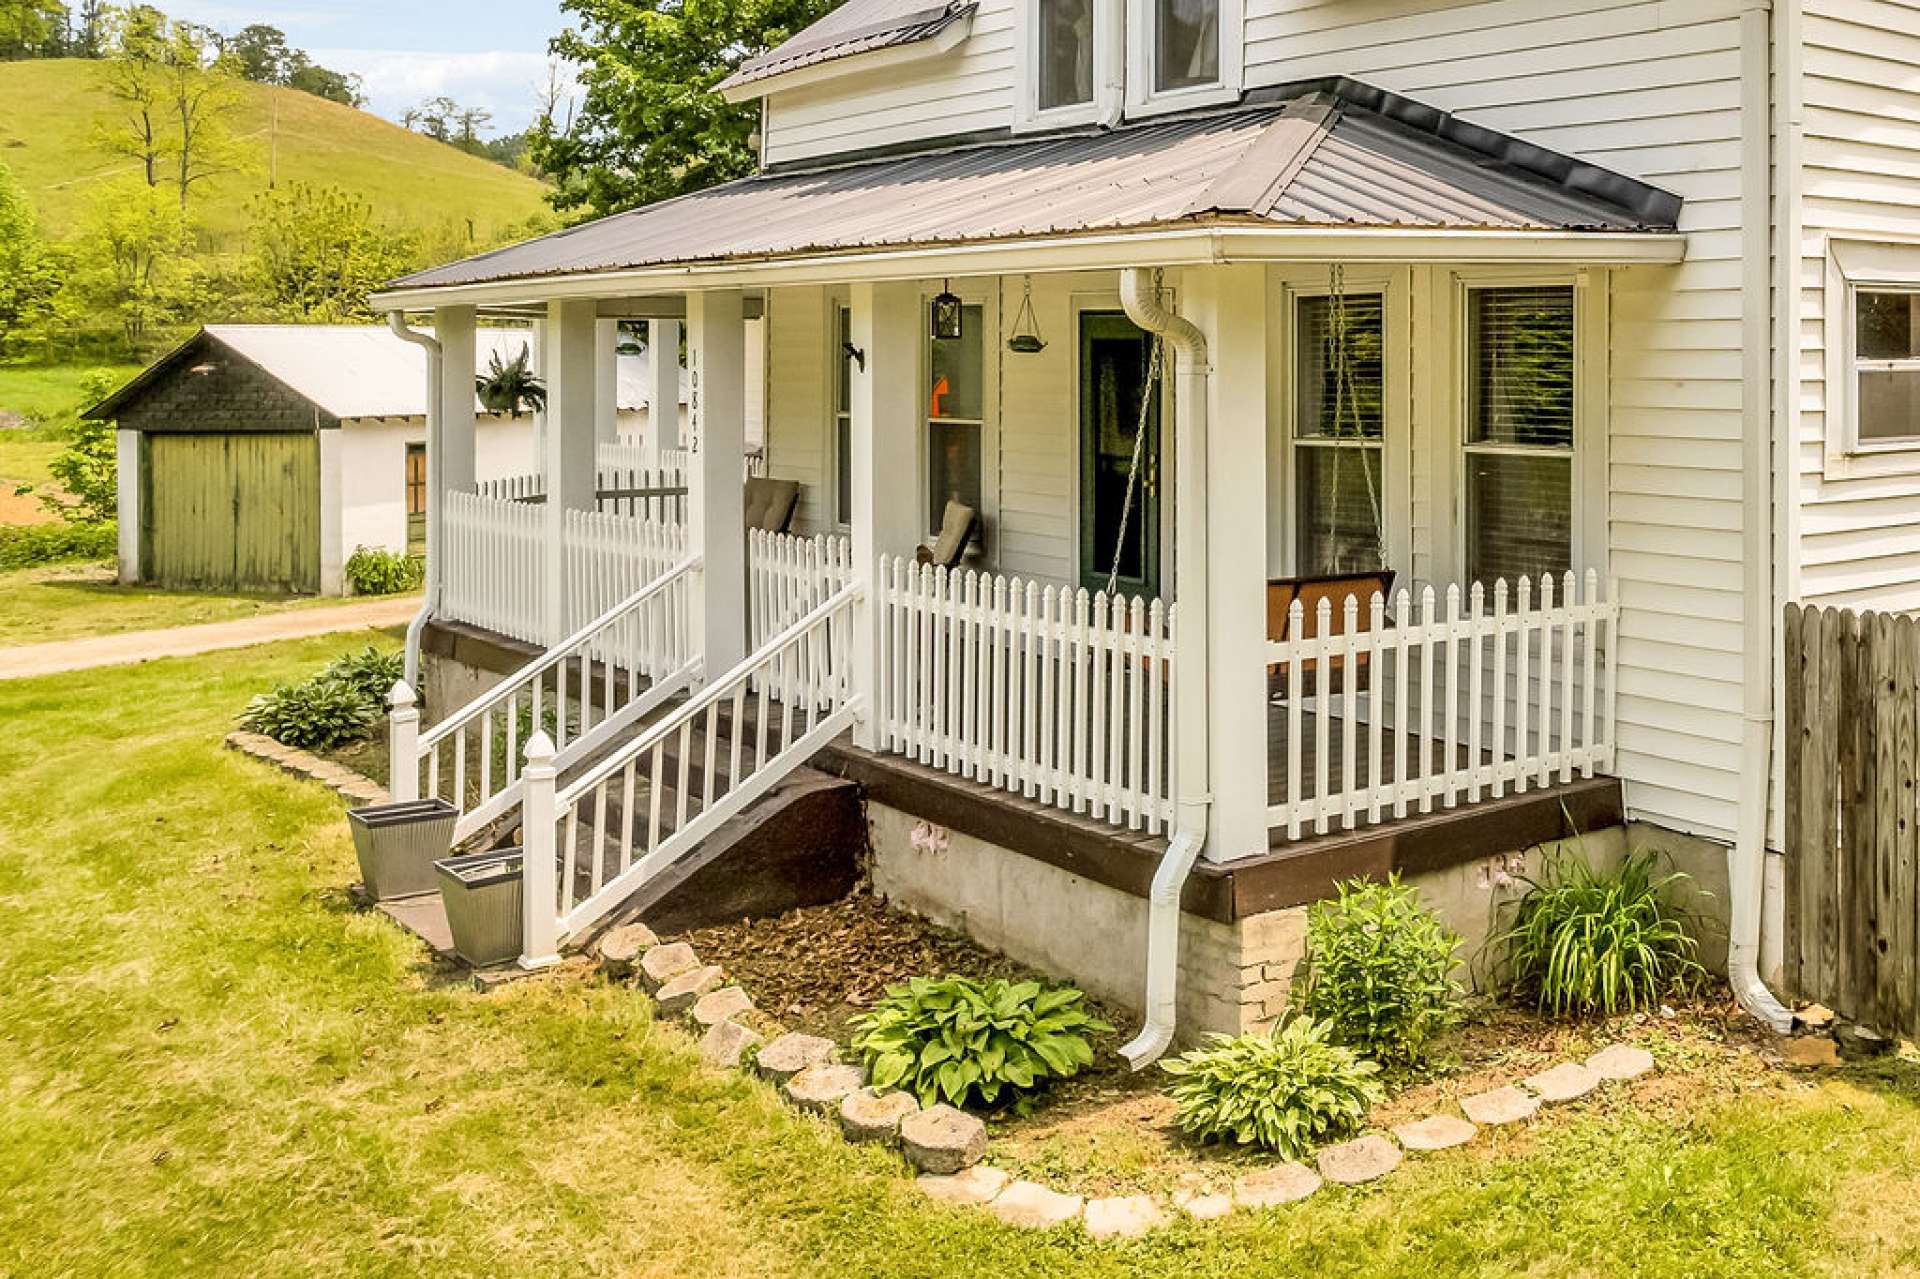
[{"x": 1357, "y": 158}]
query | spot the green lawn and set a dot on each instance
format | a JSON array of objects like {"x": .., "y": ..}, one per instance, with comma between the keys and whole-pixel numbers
[
  {"x": 215, "y": 1065},
  {"x": 70, "y": 601}
]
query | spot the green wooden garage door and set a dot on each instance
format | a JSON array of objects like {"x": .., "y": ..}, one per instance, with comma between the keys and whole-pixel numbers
[{"x": 232, "y": 512}]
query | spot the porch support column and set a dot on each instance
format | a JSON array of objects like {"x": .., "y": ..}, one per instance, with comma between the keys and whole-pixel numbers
[
  {"x": 1229, "y": 304},
  {"x": 886, "y": 326},
  {"x": 126, "y": 449},
  {"x": 568, "y": 460},
  {"x": 454, "y": 327},
  {"x": 716, "y": 492},
  {"x": 663, "y": 388},
  {"x": 606, "y": 381}
]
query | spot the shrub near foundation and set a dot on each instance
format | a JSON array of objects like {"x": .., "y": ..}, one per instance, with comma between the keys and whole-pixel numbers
[
  {"x": 1287, "y": 1090},
  {"x": 1379, "y": 971}
]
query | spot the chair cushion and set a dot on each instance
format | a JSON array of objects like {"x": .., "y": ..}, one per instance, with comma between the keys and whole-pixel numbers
[{"x": 770, "y": 504}]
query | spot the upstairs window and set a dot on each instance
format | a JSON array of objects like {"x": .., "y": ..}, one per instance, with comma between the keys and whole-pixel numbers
[
  {"x": 1066, "y": 53},
  {"x": 1072, "y": 64},
  {"x": 1886, "y": 367},
  {"x": 1183, "y": 53},
  {"x": 1186, "y": 44}
]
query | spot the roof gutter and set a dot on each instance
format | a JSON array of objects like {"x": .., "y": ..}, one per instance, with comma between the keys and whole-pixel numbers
[
  {"x": 1193, "y": 778},
  {"x": 430, "y": 601}
]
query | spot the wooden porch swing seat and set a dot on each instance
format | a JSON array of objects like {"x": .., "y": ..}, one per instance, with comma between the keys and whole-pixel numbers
[{"x": 1336, "y": 589}]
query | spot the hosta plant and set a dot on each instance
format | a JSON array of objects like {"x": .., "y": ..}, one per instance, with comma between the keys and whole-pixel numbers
[
  {"x": 314, "y": 715},
  {"x": 1587, "y": 941},
  {"x": 1287, "y": 1090},
  {"x": 1379, "y": 970},
  {"x": 369, "y": 672},
  {"x": 968, "y": 1042}
]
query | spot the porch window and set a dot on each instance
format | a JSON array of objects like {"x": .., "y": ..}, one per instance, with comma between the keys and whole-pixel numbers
[
  {"x": 1186, "y": 44},
  {"x": 956, "y": 406},
  {"x": 1886, "y": 363},
  {"x": 1066, "y": 52},
  {"x": 416, "y": 482},
  {"x": 1339, "y": 434},
  {"x": 843, "y": 417},
  {"x": 1520, "y": 432}
]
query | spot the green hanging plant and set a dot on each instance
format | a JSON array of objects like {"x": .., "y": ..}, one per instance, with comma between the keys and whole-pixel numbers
[{"x": 508, "y": 386}]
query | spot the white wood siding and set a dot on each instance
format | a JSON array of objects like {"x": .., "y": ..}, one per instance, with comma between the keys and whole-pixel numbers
[{"x": 799, "y": 400}]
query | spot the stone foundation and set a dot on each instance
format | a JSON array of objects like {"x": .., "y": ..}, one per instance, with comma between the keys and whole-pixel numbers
[{"x": 459, "y": 663}]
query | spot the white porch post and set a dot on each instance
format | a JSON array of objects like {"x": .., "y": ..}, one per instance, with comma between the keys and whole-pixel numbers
[
  {"x": 716, "y": 496},
  {"x": 1229, "y": 304},
  {"x": 886, "y": 326},
  {"x": 568, "y": 458},
  {"x": 126, "y": 448},
  {"x": 453, "y": 326},
  {"x": 606, "y": 381},
  {"x": 663, "y": 381}
]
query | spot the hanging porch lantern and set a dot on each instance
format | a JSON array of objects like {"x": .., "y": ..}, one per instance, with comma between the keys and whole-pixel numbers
[
  {"x": 1026, "y": 339},
  {"x": 946, "y": 313}
]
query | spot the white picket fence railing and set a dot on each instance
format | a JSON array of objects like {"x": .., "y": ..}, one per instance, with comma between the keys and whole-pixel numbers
[
  {"x": 681, "y": 459},
  {"x": 513, "y": 488},
  {"x": 609, "y": 557},
  {"x": 613, "y": 671},
  {"x": 495, "y": 569},
  {"x": 591, "y": 845},
  {"x": 1059, "y": 696},
  {"x": 788, "y": 577},
  {"x": 1464, "y": 696}
]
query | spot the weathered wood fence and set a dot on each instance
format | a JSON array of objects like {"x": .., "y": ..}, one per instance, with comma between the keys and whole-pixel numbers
[{"x": 1852, "y": 831}]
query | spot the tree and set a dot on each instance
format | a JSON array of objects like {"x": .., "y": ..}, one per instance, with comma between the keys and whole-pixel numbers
[
  {"x": 334, "y": 86},
  {"x": 28, "y": 274},
  {"x": 317, "y": 253},
  {"x": 468, "y": 122},
  {"x": 136, "y": 42},
  {"x": 31, "y": 28},
  {"x": 260, "y": 53},
  {"x": 131, "y": 266},
  {"x": 650, "y": 125},
  {"x": 202, "y": 98}
]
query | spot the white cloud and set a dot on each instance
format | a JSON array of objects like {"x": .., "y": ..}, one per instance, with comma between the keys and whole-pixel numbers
[{"x": 505, "y": 82}]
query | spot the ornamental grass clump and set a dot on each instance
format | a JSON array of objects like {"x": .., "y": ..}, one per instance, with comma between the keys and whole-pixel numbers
[
  {"x": 1287, "y": 1090},
  {"x": 1379, "y": 972},
  {"x": 968, "y": 1042},
  {"x": 1585, "y": 941}
]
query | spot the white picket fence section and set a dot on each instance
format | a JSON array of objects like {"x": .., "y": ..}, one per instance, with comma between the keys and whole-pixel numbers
[
  {"x": 1059, "y": 696},
  {"x": 788, "y": 577},
  {"x": 589, "y": 846},
  {"x": 619, "y": 667},
  {"x": 514, "y": 488},
  {"x": 495, "y": 575},
  {"x": 609, "y": 557},
  {"x": 659, "y": 495},
  {"x": 681, "y": 459},
  {"x": 1441, "y": 703}
]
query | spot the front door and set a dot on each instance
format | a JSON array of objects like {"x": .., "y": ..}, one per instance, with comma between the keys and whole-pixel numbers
[{"x": 1119, "y": 467}]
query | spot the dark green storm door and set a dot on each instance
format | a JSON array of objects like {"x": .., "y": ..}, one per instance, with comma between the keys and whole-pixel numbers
[{"x": 1114, "y": 358}]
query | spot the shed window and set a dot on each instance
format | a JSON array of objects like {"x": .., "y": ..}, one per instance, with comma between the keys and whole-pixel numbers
[
  {"x": 1066, "y": 53},
  {"x": 416, "y": 499},
  {"x": 1886, "y": 349},
  {"x": 1186, "y": 44},
  {"x": 1520, "y": 432},
  {"x": 1339, "y": 427},
  {"x": 956, "y": 407}
]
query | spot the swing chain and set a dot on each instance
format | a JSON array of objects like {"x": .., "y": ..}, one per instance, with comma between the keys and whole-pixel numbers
[{"x": 1147, "y": 392}]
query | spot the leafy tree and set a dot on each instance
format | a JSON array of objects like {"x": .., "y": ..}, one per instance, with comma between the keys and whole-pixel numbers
[
  {"x": 334, "y": 86},
  {"x": 177, "y": 98},
  {"x": 650, "y": 125},
  {"x": 131, "y": 267},
  {"x": 31, "y": 28},
  {"x": 317, "y": 253},
  {"x": 88, "y": 469},
  {"x": 136, "y": 42},
  {"x": 259, "y": 52},
  {"x": 202, "y": 98},
  {"x": 28, "y": 271}
]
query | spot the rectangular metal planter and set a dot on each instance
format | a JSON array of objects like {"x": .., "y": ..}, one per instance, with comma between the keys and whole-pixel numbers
[
  {"x": 482, "y": 896},
  {"x": 398, "y": 844}
]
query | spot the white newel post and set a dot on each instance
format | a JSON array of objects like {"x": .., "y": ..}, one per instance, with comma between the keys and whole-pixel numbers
[
  {"x": 606, "y": 381},
  {"x": 539, "y": 873},
  {"x": 716, "y": 449},
  {"x": 887, "y": 325},
  {"x": 1229, "y": 304},
  {"x": 663, "y": 388},
  {"x": 403, "y": 744},
  {"x": 568, "y": 460},
  {"x": 126, "y": 448}
]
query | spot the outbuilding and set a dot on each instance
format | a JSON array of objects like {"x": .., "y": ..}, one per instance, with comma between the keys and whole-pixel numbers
[{"x": 258, "y": 457}]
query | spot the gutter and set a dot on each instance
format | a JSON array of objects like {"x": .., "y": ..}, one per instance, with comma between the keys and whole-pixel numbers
[
  {"x": 430, "y": 601},
  {"x": 1193, "y": 776},
  {"x": 1746, "y": 862}
]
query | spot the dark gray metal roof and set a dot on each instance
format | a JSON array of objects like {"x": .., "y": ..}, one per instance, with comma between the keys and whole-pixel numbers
[
  {"x": 858, "y": 26},
  {"x": 1317, "y": 160}
]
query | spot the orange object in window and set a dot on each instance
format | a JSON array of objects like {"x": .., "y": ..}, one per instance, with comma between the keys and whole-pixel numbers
[{"x": 941, "y": 389}]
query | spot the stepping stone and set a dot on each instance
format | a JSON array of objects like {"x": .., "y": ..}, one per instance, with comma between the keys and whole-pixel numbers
[
  {"x": 724, "y": 1044},
  {"x": 1436, "y": 1132},
  {"x": 1271, "y": 1187},
  {"x": 662, "y": 964},
  {"x": 820, "y": 1089},
  {"x": 1124, "y": 1216},
  {"x": 1505, "y": 1105},
  {"x": 975, "y": 1185},
  {"x": 873, "y": 1114},
  {"x": 1817, "y": 1050},
  {"x": 621, "y": 949},
  {"x": 941, "y": 1139},
  {"x": 1204, "y": 1205},
  {"x": 680, "y": 994},
  {"x": 721, "y": 1005},
  {"x": 1357, "y": 1162},
  {"x": 1620, "y": 1061},
  {"x": 1569, "y": 1081},
  {"x": 790, "y": 1054},
  {"x": 1031, "y": 1205}
]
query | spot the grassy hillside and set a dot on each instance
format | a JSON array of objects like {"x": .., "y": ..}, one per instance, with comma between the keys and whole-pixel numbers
[{"x": 50, "y": 112}]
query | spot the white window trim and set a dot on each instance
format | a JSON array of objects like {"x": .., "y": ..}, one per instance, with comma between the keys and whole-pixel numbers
[
  {"x": 1853, "y": 267},
  {"x": 1141, "y": 98},
  {"x": 1109, "y": 64},
  {"x": 1100, "y": 302},
  {"x": 837, "y": 305},
  {"x": 982, "y": 293}
]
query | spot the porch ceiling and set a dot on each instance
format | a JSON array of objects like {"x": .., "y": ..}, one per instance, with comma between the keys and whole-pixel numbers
[{"x": 1334, "y": 157}]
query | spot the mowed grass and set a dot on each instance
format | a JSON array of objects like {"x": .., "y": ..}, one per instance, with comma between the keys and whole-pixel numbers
[
  {"x": 47, "y": 400},
  {"x": 71, "y": 601},
  {"x": 214, "y": 1065}
]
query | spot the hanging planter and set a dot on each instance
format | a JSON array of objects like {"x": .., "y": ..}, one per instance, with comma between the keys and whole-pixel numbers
[
  {"x": 509, "y": 385},
  {"x": 1026, "y": 339}
]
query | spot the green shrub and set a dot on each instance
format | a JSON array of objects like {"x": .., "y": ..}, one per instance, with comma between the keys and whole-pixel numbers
[
  {"x": 370, "y": 673},
  {"x": 313, "y": 715},
  {"x": 1586, "y": 941},
  {"x": 1287, "y": 1090},
  {"x": 28, "y": 545},
  {"x": 372, "y": 570},
  {"x": 1379, "y": 970},
  {"x": 958, "y": 1040}
]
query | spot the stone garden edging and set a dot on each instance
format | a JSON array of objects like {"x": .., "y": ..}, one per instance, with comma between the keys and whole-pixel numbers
[
  {"x": 342, "y": 780},
  {"x": 947, "y": 1146}
]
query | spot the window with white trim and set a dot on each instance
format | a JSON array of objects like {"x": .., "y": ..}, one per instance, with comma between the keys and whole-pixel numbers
[
  {"x": 842, "y": 416},
  {"x": 1521, "y": 401},
  {"x": 956, "y": 416},
  {"x": 1886, "y": 366},
  {"x": 1183, "y": 53},
  {"x": 1186, "y": 44},
  {"x": 1339, "y": 433},
  {"x": 1071, "y": 59}
]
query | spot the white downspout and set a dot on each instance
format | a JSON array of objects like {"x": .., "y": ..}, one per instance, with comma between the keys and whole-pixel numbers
[
  {"x": 1193, "y": 777},
  {"x": 1747, "y": 860},
  {"x": 430, "y": 599}
]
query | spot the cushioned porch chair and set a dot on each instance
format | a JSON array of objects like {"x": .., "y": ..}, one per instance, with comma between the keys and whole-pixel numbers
[
  {"x": 1335, "y": 588},
  {"x": 958, "y": 525}
]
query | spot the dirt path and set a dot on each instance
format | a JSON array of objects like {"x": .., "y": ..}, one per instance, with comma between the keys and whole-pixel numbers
[{"x": 184, "y": 641}]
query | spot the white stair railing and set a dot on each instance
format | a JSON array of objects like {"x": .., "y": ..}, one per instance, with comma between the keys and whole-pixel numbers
[
  {"x": 613, "y": 671},
  {"x": 639, "y": 811}
]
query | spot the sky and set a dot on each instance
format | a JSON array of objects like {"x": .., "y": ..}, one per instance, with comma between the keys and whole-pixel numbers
[{"x": 484, "y": 53}]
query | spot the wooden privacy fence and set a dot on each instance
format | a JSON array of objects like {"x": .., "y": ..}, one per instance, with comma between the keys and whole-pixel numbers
[{"x": 1851, "y": 845}]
